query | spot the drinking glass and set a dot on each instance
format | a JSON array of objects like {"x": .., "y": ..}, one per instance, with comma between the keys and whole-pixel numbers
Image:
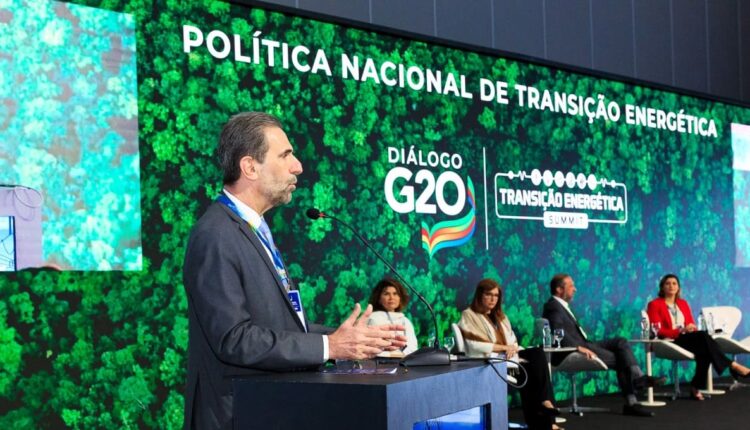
[
  {"x": 655, "y": 327},
  {"x": 558, "y": 334},
  {"x": 402, "y": 322},
  {"x": 448, "y": 343}
]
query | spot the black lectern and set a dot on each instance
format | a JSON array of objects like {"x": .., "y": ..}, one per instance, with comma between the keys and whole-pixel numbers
[{"x": 312, "y": 400}]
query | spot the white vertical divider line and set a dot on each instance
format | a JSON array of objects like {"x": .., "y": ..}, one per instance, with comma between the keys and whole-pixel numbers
[{"x": 486, "y": 219}]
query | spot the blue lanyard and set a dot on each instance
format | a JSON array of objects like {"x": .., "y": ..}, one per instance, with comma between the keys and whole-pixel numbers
[{"x": 277, "y": 262}]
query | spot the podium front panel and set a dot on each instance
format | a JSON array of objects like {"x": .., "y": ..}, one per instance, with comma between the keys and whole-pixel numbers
[{"x": 314, "y": 400}]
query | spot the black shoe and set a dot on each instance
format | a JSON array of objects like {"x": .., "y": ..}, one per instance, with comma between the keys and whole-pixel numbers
[
  {"x": 646, "y": 381},
  {"x": 636, "y": 411},
  {"x": 549, "y": 412}
]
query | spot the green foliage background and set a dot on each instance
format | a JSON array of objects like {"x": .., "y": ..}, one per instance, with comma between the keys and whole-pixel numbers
[{"x": 107, "y": 350}]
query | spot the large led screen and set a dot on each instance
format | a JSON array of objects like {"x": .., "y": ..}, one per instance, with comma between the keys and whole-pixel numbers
[{"x": 459, "y": 166}]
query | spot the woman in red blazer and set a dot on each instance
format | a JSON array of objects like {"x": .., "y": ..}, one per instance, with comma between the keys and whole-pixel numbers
[{"x": 676, "y": 319}]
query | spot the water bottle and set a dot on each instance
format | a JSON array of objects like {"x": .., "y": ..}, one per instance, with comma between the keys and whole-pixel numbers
[
  {"x": 645, "y": 332},
  {"x": 546, "y": 335},
  {"x": 701, "y": 322},
  {"x": 710, "y": 323}
]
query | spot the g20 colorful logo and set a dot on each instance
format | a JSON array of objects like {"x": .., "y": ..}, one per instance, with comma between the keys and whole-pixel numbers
[{"x": 424, "y": 192}]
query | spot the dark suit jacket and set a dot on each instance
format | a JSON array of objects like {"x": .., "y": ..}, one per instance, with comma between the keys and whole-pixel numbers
[
  {"x": 615, "y": 352},
  {"x": 558, "y": 317},
  {"x": 240, "y": 319}
]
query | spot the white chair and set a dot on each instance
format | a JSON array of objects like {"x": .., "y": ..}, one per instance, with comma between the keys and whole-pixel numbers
[
  {"x": 727, "y": 318},
  {"x": 724, "y": 318},
  {"x": 573, "y": 364},
  {"x": 669, "y": 351},
  {"x": 460, "y": 345}
]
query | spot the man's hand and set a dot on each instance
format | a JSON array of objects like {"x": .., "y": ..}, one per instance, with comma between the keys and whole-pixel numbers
[
  {"x": 587, "y": 352},
  {"x": 355, "y": 340},
  {"x": 690, "y": 328}
]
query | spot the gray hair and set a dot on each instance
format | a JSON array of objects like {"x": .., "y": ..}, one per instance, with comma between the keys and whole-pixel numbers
[{"x": 243, "y": 135}]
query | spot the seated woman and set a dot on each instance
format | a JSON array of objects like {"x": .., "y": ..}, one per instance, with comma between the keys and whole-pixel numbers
[
  {"x": 676, "y": 319},
  {"x": 388, "y": 299},
  {"x": 486, "y": 329}
]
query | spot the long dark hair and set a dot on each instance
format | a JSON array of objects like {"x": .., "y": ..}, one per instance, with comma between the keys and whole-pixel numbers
[
  {"x": 663, "y": 281},
  {"x": 496, "y": 314},
  {"x": 485, "y": 286},
  {"x": 382, "y": 285}
]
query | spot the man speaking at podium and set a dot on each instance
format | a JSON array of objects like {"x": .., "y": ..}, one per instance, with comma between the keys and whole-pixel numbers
[{"x": 245, "y": 313}]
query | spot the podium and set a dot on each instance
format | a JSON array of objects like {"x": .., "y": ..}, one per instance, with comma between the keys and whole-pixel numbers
[{"x": 314, "y": 400}]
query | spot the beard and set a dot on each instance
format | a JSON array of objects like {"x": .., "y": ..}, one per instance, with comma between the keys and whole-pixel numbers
[{"x": 279, "y": 194}]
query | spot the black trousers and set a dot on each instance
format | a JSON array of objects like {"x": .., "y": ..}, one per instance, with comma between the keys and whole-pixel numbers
[
  {"x": 706, "y": 352},
  {"x": 617, "y": 354},
  {"x": 538, "y": 388}
]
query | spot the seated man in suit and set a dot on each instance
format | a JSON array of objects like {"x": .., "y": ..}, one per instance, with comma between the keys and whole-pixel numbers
[
  {"x": 245, "y": 314},
  {"x": 614, "y": 352}
]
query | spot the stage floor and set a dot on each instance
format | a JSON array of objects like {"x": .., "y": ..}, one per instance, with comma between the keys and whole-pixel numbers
[{"x": 728, "y": 411}]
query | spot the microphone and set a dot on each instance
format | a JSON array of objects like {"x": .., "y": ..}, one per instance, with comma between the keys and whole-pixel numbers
[
  {"x": 426, "y": 356},
  {"x": 313, "y": 214}
]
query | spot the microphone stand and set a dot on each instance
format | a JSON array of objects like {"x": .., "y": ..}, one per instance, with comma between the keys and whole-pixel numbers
[{"x": 425, "y": 356}]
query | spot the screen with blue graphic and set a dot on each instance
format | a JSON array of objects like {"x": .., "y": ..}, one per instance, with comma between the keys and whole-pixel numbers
[
  {"x": 69, "y": 132},
  {"x": 7, "y": 244},
  {"x": 470, "y": 419},
  {"x": 741, "y": 166}
]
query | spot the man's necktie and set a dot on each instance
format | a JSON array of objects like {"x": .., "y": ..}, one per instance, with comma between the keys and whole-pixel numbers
[{"x": 583, "y": 333}]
